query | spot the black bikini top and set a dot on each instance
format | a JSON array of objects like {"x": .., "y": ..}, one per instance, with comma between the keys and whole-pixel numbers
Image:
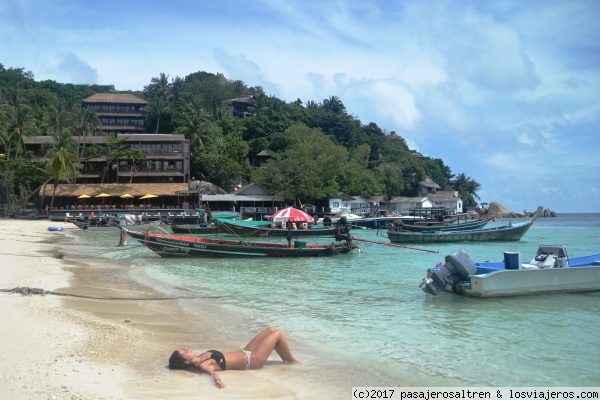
[{"x": 218, "y": 357}]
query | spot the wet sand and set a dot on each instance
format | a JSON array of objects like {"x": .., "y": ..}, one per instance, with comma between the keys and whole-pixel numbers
[{"x": 109, "y": 334}]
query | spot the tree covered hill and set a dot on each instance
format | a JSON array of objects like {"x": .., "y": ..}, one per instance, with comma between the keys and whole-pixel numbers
[{"x": 318, "y": 148}]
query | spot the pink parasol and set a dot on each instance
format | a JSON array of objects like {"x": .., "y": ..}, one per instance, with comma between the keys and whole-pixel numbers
[{"x": 291, "y": 214}]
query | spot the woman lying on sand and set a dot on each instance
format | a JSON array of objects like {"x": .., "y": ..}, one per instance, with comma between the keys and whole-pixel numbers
[{"x": 253, "y": 356}]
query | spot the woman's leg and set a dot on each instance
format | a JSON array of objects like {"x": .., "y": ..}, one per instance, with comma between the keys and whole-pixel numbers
[
  {"x": 259, "y": 338},
  {"x": 272, "y": 340}
]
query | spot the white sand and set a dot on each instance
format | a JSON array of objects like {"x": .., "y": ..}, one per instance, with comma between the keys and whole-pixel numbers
[{"x": 56, "y": 347}]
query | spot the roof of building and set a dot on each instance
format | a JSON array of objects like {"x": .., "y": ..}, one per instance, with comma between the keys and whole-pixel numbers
[
  {"x": 429, "y": 183},
  {"x": 114, "y": 189},
  {"x": 137, "y": 137},
  {"x": 266, "y": 153},
  {"x": 114, "y": 98},
  {"x": 402, "y": 199},
  {"x": 443, "y": 196},
  {"x": 252, "y": 189},
  {"x": 235, "y": 197},
  {"x": 244, "y": 99},
  {"x": 377, "y": 199}
]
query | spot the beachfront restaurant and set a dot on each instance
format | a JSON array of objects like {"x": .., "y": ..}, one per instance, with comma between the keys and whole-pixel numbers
[{"x": 112, "y": 196}]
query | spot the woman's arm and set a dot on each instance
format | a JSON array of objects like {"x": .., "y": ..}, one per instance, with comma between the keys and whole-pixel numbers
[{"x": 210, "y": 368}]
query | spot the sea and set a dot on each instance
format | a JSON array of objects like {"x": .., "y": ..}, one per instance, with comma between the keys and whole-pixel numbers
[{"x": 367, "y": 308}]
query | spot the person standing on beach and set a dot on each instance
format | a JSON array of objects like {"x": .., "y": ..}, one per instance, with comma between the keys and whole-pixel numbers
[{"x": 253, "y": 356}]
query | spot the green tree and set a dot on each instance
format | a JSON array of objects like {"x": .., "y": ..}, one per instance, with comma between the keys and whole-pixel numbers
[
  {"x": 176, "y": 95},
  {"x": 56, "y": 120},
  {"x": 159, "y": 97},
  {"x": 390, "y": 178},
  {"x": 356, "y": 179},
  {"x": 85, "y": 123},
  {"x": 307, "y": 166},
  {"x": 62, "y": 160},
  {"x": 193, "y": 124},
  {"x": 18, "y": 176},
  {"x": 230, "y": 166},
  {"x": 134, "y": 157},
  {"x": 19, "y": 121},
  {"x": 467, "y": 189}
]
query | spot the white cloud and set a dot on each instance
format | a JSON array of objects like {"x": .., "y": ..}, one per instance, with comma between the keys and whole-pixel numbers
[
  {"x": 504, "y": 91},
  {"x": 73, "y": 69}
]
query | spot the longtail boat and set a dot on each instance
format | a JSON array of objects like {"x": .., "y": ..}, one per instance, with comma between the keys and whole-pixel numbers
[
  {"x": 436, "y": 226},
  {"x": 168, "y": 245},
  {"x": 510, "y": 232},
  {"x": 273, "y": 229}
]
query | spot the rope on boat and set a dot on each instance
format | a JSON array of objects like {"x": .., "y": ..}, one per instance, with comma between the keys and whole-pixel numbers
[
  {"x": 396, "y": 245},
  {"x": 27, "y": 291}
]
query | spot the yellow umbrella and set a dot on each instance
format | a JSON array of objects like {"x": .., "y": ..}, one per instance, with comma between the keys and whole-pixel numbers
[
  {"x": 126, "y": 196},
  {"x": 84, "y": 196},
  {"x": 148, "y": 196},
  {"x": 102, "y": 196}
]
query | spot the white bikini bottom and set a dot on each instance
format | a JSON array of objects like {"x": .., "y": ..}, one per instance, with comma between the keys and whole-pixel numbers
[{"x": 249, "y": 355}]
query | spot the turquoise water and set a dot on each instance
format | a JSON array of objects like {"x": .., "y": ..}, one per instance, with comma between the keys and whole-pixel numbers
[{"x": 367, "y": 309}]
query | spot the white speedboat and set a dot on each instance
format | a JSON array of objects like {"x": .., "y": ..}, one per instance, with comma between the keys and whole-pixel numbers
[{"x": 550, "y": 271}]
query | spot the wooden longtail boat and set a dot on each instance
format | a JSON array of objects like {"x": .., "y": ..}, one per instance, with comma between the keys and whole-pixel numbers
[
  {"x": 436, "y": 226},
  {"x": 273, "y": 229},
  {"x": 195, "y": 229},
  {"x": 167, "y": 245},
  {"x": 511, "y": 232}
]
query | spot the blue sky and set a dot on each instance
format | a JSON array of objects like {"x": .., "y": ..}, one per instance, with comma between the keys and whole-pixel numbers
[{"x": 507, "y": 92}]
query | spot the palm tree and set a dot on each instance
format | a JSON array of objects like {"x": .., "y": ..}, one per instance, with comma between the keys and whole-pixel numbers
[
  {"x": 159, "y": 94},
  {"x": 56, "y": 120},
  {"x": 195, "y": 117},
  {"x": 176, "y": 90},
  {"x": 335, "y": 105},
  {"x": 312, "y": 105},
  {"x": 467, "y": 187},
  {"x": 21, "y": 123},
  {"x": 86, "y": 123},
  {"x": 63, "y": 160},
  {"x": 473, "y": 187}
]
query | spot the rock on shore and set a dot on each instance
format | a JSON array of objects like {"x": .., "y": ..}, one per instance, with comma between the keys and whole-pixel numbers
[{"x": 499, "y": 210}]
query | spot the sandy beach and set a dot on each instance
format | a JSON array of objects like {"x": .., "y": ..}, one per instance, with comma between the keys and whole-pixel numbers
[{"x": 101, "y": 334}]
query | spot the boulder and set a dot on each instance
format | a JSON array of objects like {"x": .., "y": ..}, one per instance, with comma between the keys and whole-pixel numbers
[
  {"x": 473, "y": 214},
  {"x": 495, "y": 208},
  {"x": 519, "y": 215}
]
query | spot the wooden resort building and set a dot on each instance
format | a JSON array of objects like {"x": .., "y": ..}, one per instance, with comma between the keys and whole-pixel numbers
[{"x": 119, "y": 113}]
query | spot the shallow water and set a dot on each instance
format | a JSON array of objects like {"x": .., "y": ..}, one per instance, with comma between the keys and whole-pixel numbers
[{"x": 367, "y": 309}]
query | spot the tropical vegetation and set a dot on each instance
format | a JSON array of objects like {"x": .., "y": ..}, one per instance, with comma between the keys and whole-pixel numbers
[{"x": 318, "y": 148}]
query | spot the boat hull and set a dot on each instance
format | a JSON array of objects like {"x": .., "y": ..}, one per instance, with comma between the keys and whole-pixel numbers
[
  {"x": 436, "y": 227},
  {"x": 550, "y": 271},
  {"x": 533, "y": 281},
  {"x": 502, "y": 233},
  {"x": 184, "y": 246}
]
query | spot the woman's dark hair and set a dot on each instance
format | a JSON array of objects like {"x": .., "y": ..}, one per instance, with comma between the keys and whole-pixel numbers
[{"x": 176, "y": 361}]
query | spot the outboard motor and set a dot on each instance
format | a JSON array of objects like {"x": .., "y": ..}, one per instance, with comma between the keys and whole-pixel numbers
[
  {"x": 342, "y": 233},
  {"x": 461, "y": 265},
  {"x": 436, "y": 280},
  {"x": 455, "y": 272}
]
